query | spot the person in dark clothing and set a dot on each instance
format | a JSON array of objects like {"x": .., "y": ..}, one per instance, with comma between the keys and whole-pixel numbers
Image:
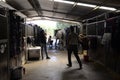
[
  {"x": 43, "y": 44},
  {"x": 50, "y": 42},
  {"x": 72, "y": 46}
]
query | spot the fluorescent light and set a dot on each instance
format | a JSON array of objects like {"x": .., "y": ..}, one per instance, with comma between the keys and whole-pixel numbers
[
  {"x": 80, "y": 4},
  {"x": 87, "y": 5},
  {"x": 107, "y": 8},
  {"x": 67, "y": 2},
  {"x": 95, "y": 6}
]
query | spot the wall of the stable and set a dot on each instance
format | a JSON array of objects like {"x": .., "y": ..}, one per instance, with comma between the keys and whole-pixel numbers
[
  {"x": 11, "y": 43},
  {"x": 105, "y": 47},
  {"x": 106, "y": 56},
  {"x": 4, "y": 73}
]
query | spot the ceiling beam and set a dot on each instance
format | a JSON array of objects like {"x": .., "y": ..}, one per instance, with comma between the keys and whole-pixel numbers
[
  {"x": 72, "y": 9},
  {"x": 55, "y": 7},
  {"x": 35, "y": 4},
  {"x": 57, "y": 18},
  {"x": 49, "y": 11}
]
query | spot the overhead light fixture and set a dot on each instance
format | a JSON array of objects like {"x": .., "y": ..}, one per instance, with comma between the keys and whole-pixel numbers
[
  {"x": 86, "y": 5},
  {"x": 62, "y": 1},
  {"x": 80, "y": 4},
  {"x": 107, "y": 8}
]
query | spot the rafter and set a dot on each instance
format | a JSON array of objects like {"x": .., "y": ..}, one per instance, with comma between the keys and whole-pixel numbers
[{"x": 35, "y": 4}]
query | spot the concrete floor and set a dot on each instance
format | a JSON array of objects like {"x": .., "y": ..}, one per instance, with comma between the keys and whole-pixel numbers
[{"x": 56, "y": 69}]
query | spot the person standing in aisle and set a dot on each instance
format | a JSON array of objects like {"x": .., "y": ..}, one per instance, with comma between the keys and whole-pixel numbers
[
  {"x": 50, "y": 42},
  {"x": 43, "y": 44},
  {"x": 72, "y": 46}
]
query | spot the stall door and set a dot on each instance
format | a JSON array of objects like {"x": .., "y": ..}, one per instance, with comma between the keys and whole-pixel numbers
[{"x": 3, "y": 49}]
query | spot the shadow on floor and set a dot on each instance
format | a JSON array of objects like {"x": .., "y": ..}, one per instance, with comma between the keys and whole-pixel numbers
[{"x": 73, "y": 74}]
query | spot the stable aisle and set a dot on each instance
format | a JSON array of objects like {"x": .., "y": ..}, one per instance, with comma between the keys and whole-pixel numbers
[{"x": 56, "y": 69}]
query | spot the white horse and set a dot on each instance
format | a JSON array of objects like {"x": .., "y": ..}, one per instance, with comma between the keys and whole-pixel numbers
[{"x": 60, "y": 35}]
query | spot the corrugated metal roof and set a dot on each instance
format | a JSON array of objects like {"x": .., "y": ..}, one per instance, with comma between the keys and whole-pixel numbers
[{"x": 60, "y": 10}]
